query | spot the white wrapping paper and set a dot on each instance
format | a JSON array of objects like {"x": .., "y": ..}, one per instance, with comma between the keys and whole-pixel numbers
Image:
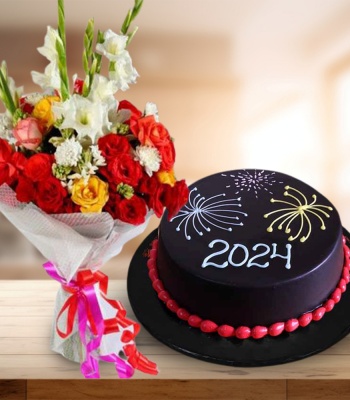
[{"x": 73, "y": 242}]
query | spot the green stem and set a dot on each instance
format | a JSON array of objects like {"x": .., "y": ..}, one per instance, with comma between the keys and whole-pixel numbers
[
  {"x": 132, "y": 14},
  {"x": 62, "y": 51}
]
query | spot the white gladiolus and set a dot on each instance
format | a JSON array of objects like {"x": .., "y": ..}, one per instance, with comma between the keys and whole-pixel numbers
[
  {"x": 103, "y": 90},
  {"x": 124, "y": 72},
  {"x": 113, "y": 45},
  {"x": 88, "y": 119},
  {"x": 50, "y": 79},
  {"x": 49, "y": 48}
]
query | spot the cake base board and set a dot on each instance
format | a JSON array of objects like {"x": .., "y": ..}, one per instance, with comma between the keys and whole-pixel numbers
[{"x": 178, "y": 335}]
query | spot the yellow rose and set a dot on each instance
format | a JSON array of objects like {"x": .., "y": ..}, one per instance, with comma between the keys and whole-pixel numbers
[
  {"x": 167, "y": 177},
  {"x": 43, "y": 112},
  {"x": 91, "y": 196}
]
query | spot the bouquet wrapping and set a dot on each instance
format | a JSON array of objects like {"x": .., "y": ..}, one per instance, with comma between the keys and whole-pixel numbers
[{"x": 80, "y": 175}]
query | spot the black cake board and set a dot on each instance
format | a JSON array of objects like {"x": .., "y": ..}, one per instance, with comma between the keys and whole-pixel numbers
[{"x": 178, "y": 335}]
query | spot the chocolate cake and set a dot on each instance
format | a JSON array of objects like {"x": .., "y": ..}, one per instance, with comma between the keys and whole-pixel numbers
[{"x": 252, "y": 249}]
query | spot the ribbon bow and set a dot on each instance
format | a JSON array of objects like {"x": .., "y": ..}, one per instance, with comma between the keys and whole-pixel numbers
[{"x": 83, "y": 302}]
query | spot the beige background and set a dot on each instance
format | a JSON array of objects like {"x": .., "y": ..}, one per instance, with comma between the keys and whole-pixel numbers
[{"x": 239, "y": 84}]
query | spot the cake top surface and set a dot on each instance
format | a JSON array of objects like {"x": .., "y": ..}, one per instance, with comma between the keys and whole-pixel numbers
[{"x": 252, "y": 228}]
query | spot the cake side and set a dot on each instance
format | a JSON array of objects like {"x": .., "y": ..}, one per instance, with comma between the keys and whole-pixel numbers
[{"x": 225, "y": 258}]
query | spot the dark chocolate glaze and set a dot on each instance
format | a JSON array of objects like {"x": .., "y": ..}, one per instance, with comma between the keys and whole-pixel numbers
[{"x": 242, "y": 295}]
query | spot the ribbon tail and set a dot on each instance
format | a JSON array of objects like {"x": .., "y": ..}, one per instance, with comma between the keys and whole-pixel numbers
[{"x": 139, "y": 361}]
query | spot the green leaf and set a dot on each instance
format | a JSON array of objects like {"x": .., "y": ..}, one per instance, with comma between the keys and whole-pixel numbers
[{"x": 5, "y": 93}]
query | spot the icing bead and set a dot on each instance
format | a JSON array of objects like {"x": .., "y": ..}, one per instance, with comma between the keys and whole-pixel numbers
[
  {"x": 158, "y": 285},
  {"x": 329, "y": 305},
  {"x": 276, "y": 329},
  {"x": 243, "y": 332},
  {"x": 305, "y": 319},
  {"x": 226, "y": 331},
  {"x": 258, "y": 332},
  {"x": 183, "y": 314},
  {"x": 342, "y": 285},
  {"x": 194, "y": 321},
  {"x": 172, "y": 305},
  {"x": 153, "y": 274},
  {"x": 336, "y": 295},
  {"x": 208, "y": 326},
  {"x": 155, "y": 244},
  {"x": 151, "y": 263},
  {"x": 164, "y": 296},
  {"x": 346, "y": 275},
  {"x": 153, "y": 254},
  {"x": 318, "y": 313},
  {"x": 291, "y": 325}
]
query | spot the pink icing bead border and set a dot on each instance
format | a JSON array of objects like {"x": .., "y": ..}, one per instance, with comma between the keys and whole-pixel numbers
[{"x": 244, "y": 332}]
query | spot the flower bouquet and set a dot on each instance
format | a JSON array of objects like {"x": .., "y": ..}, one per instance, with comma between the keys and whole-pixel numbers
[{"x": 80, "y": 175}]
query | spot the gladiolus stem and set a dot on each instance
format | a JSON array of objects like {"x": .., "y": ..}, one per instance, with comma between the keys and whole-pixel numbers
[{"x": 62, "y": 51}]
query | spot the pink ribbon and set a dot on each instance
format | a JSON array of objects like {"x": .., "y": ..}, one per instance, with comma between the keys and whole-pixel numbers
[{"x": 91, "y": 325}]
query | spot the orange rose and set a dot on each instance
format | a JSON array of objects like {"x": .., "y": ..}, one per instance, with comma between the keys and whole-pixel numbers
[{"x": 150, "y": 132}]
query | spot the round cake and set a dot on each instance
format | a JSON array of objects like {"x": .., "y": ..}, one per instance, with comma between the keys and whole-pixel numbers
[{"x": 250, "y": 248}]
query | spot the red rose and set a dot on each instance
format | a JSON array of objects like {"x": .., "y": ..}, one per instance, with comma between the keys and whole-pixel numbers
[
  {"x": 25, "y": 190},
  {"x": 112, "y": 145},
  {"x": 112, "y": 204},
  {"x": 150, "y": 132},
  {"x": 19, "y": 161},
  {"x": 124, "y": 169},
  {"x": 68, "y": 207},
  {"x": 175, "y": 197},
  {"x": 50, "y": 195},
  {"x": 39, "y": 167},
  {"x": 135, "y": 114},
  {"x": 152, "y": 191},
  {"x": 8, "y": 172},
  {"x": 132, "y": 211},
  {"x": 167, "y": 154}
]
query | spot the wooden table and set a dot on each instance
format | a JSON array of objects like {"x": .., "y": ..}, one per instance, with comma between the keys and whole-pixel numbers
[{"x": 26, "y": 311}]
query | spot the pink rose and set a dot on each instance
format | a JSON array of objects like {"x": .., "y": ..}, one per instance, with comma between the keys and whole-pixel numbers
[{"x": 29, "y": 133}]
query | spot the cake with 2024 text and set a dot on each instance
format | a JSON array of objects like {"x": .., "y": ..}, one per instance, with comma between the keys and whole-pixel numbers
[{"x": 252, "y": 253}]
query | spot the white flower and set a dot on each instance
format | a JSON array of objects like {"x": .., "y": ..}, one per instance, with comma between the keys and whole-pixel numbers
[
  {"x": 50, "y": 79},
  {"x": 149, "y": 158},
  {"x": 68, "y": 153},
  {"x": 103, "y": 90},
  {"x": 33, "y": 98},
  {"x": 151, "y": 109},
  {"x": 6, "y": 128},
  {"x": 113, "y": 45},
  {"x": 124, "y": 72},
  {"x": 49, "y": 48},
  {"x": 97, "y": 156},
  {"x": 88, "y": 119}
]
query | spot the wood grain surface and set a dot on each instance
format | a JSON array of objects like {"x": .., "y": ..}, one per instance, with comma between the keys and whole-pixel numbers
[
  {"x": 30, "y": 370},
  {"x": 26, "y": 312}
]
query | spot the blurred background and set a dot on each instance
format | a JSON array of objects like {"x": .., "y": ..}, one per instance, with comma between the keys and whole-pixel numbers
[{"x": 239, "y": 84}]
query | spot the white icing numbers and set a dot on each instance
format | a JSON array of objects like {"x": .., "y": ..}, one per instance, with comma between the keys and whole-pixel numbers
[{"x": 239, "y": 255}]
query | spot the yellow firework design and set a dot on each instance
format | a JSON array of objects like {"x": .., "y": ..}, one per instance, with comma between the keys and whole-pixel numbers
[{"x": 298, "y": 208}]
